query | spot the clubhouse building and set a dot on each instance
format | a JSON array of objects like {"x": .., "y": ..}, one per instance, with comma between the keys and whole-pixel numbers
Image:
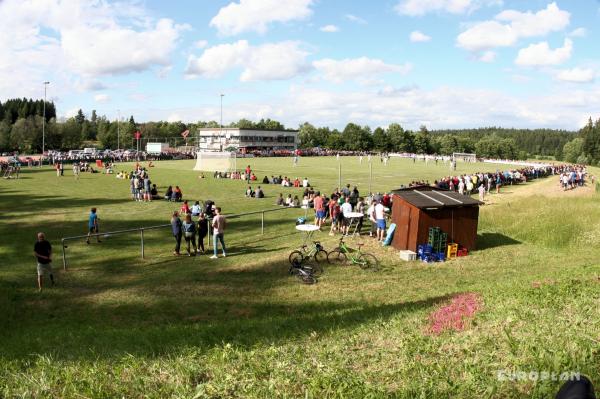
[{"x": 220, "y": 139}]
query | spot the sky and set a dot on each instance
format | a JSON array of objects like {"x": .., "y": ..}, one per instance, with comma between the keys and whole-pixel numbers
[{"x": 439, "y": 63}]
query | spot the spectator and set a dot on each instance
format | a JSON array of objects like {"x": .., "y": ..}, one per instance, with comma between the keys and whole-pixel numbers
[
  {"x": 265, "y": 180},
  {"x": 202, "y": 230},
  {"x": 196, "y": 209},
  {"x": 280, "y": 200},
  {"x": 154, "y": 192},
  {"x": 380, "y": 219},
  {"x": 93, "y": 226},
  {"x": 319, "y": 209},
  {"x": 259, "y": 193},
  {"x": 346, "y": 209},
  {"x": 169, "y": 193},
  {"x": 42, "y": 250},
  {"x": 176, "y": 229},
  {"x": 288, "y": 200},
  {"x": 189, "y": 232},
  {"x": 185, "y": 208},
  {"x": 178, "y": 194},
  {"x": 295, "y": 202},
  {"x": 218, "y": 224},
  {"x": 249, "y": 192}
]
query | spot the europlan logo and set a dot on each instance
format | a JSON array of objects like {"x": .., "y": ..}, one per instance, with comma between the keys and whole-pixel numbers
[{"x": 537, "y": 375}]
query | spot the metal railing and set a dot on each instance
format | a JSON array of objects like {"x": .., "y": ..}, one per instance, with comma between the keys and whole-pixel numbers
[{"x": 162, "y": 226}]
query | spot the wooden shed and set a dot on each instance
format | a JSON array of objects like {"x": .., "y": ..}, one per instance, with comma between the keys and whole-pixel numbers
[{"x": 416, "y": 209}]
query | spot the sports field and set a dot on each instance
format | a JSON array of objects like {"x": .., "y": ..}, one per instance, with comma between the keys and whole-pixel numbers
[{"x": 241, "y": 327}]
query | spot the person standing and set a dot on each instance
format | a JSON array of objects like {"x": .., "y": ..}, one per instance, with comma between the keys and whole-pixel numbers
[
  {"x": 481, "y": 192},
  {"x": 93, "y": 226},
  {"x": 218, "y": 225},
  {"x": 76, "y": 170},
  {"x": 176, "y": 229},
  {"x": 380, "y": 219},
  {"x": 319, "y": 209},
  {"x": 42, "y": 250},
  {"x": 62, "y": 169},
  {"x": 202, "y": 230},
  {"x": 189, "y": 231}
]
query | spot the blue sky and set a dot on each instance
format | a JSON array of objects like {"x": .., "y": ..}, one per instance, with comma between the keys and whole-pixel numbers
[{"x": 442, "y": 63}]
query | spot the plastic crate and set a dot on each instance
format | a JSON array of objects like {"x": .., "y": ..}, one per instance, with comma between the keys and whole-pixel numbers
[
  {"x": 452, "y": 251},
  {"x": 440, "y": 256},
  {"x": 408, "y": 255},
  {"x": 462, "y": 252}
]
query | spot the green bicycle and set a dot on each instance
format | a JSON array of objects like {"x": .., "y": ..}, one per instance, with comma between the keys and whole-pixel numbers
[{"x": 342, "y": 254}]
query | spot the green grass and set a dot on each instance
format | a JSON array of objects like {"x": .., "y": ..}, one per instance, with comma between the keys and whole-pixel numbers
[{"x": 239, "y": 327}]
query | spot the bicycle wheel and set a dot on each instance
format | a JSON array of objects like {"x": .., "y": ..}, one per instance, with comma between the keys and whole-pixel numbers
[
  {"x": 306, "y": 278},
  {"x": 313, "y": 268},
  {"x": 368, "y": 261},
  {"x": 296, "y": 258},
  {"x": 321, "y": 256},
  {"x": 337, "y": 257}
]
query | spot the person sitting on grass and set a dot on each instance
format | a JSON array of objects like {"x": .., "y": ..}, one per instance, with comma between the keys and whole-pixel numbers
[
  {"x": 154, "y": 192},
  {"x": 259, "y": 193},
  {"x": 249, "y": 192},
  {"x": 196, "y": 209},
  {"x": 185, "y": 208},
  {"x": 265, "y": 180},
  {"x": 295, "y": 202},
  {"x": 280, "y": 200},
  {"x": 169, "y": 193},
  {"x": 288, "y": 200},
  {"x": 177, "y": 194}
]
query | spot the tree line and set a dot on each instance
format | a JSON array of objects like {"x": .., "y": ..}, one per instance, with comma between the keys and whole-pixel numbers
[{"x": 21, "y": 123}]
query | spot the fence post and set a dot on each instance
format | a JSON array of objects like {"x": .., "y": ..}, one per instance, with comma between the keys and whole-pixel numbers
[
  {"x": 64, "y": 255},
  {"x": 142, "y": 238},
  {"x": 262, "y": 223}
]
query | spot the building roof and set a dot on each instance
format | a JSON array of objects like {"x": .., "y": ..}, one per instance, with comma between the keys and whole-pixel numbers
[{"x": 434, "y": 198}]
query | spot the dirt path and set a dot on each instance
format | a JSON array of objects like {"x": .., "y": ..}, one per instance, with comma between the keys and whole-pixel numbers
[{"x": 547, "y": 187}]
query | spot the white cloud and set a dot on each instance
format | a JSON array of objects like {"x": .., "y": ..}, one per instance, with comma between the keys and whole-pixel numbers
[
  {"x": 329, "y": 28},
  {"x": 576, "y": 75},
  {"x": 487, "y": 56},
  {"x": 200, "y": 44},
  {"x": 355, "y": 19},
  {"x": 256, "y": 15},
  {"x": 418, "y": 37},
  {"x": 579, "y": 32},
  {"x": 421, "y": 7},
  {"x": 271, "y": 61},
  {"x": 101, "y": 98},
  {"x": 540, "y": 54},
  {"x": 72, "y": 43},
  {"x": 509, "y": 26},
  {"x": 357, "y": 68},
  {"x": 93, "y": 50}
]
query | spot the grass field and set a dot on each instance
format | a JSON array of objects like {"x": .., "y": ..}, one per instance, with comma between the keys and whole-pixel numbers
[{"x": 240, "y": 327}]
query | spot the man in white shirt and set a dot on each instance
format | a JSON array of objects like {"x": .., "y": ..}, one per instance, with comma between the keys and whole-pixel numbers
[
  {"x": 305, "y": 183},
  {"x": 380, "y": 220},
  {"x": 346, "y": 209}
]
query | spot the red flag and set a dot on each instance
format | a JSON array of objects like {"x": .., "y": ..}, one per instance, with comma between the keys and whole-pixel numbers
[
  {"x": 185, "y": 133},
  {"x": 137, "y": 135}
]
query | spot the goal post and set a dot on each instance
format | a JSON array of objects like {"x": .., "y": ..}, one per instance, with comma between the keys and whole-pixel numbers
[
  {"x": 464, "y": 156},
  {"x": 213, "y": 161}
]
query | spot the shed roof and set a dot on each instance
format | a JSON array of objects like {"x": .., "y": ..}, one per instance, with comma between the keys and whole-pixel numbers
[{"x": 435, "y": 198}]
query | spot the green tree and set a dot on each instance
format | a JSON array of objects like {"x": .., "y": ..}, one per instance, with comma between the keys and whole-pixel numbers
[
  {"x": 70, "y": 133},
  {"x": 573, "y": 149},
  {"x": 381, "y": 140},
  {"x": 4, "y": 136},
  {"x": 307, "y": 135},
  {"x": 357, "y": 138}
]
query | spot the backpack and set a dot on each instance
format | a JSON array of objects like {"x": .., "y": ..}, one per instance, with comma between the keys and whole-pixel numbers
[{"x": 300, "y": 220}]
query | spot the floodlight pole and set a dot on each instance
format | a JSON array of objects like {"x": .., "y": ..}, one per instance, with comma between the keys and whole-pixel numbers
[
  {"x": 370, "y": 176},
  {"x": 221, "y": 130},
  {"x": 44, "y": 126},
  {"x": 118, "y": 129}
]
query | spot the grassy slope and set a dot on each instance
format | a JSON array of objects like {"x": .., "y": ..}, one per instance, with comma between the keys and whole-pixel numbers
[{"x": 240, "y": 327}]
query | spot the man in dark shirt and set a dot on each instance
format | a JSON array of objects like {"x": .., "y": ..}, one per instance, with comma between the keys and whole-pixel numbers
[{"x": 42, "y": 250}]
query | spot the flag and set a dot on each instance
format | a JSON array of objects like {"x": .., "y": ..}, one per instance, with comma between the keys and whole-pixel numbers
[{"x": 185, "y": 133}]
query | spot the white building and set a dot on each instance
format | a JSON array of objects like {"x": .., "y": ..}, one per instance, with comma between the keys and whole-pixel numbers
[{"x": 217, "y": 139}]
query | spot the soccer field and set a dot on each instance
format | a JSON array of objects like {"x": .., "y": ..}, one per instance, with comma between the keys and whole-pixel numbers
[{"x": 240, "y": 327}]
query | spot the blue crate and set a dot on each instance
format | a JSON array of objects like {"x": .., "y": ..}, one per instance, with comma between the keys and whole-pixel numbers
[
  {"x": 440, "y": 256},
  {"x": 424, "y": 249}
]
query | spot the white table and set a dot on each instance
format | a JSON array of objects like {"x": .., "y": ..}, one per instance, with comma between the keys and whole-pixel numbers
[
  {"x": 354, "y": 217},
  {"x": 309, "y": 230}
]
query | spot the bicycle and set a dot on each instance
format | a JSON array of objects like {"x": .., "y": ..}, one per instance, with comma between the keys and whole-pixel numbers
[
  {"x": 305, "y": 255},
  {"x": 303, "y": 274},
  {"x": 364, "y": 260}
]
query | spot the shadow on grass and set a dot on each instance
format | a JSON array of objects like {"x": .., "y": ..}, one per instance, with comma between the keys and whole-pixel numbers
[
  {"x": 163, "y": 312},
  {"x": 493, "y": 240}
]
